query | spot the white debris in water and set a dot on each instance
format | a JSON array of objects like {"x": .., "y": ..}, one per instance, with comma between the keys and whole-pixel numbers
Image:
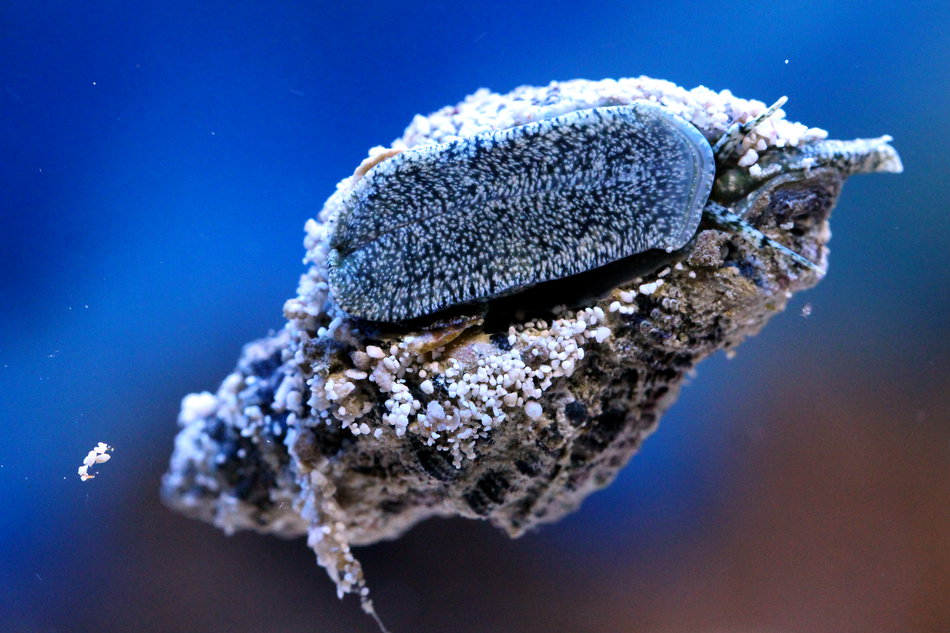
[{"x": 98, "y": 455}]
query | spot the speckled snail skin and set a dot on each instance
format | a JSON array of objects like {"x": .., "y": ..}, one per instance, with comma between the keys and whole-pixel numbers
[
  {"x": 352, "y": 428},
  {"x": 470, "y": 220},
  {"x": 480, "y": 217}
]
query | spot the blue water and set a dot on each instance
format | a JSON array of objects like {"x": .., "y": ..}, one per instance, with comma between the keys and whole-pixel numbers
[{"x": 158, "y": 162}]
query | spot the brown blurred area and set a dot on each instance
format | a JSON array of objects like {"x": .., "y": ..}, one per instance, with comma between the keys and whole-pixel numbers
[
  {"x": 834, "y": 516},
  {"x": 838, "y": 520}
]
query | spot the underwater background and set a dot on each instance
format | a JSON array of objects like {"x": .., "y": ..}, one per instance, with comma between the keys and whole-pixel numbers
[{"x": 158, "y": 161}]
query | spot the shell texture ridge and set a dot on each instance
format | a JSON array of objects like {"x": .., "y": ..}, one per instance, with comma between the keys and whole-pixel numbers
[
  {"x": 479, "y": 217},
  {"x": 351, "y": 426}
]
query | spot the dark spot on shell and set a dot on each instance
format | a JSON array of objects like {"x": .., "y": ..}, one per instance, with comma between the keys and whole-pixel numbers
[
  {"x": 600, "y": 432},
  {"x": 576, "y": 412},
  {"x": 750, "y": 270},
  {"x": 239, "y": 465},
  {"x": 529, "y": 464},
  {"x": 372, "y": 469},
  {"x": 267, "y": 366},
  {"x": 392, "y": 506},
  {"x": 435, "y": 463},
  {"x": 278, "y": 426},
  {"x": 488, "y": 492},
  {"x": 323, "y": 441},
  {"x": 500, "y": 340},
  {"x": 549, "y": 439},
  {"x": 216, "y": 429}
]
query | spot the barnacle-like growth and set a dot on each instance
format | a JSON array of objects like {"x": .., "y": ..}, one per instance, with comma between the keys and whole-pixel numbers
[{"x": 351, "y": 430}]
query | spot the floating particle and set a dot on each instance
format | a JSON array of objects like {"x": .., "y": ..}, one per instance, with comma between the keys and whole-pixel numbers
[
  {"x": 98, "y": 455},
  {"x": 485, "y": 216}
]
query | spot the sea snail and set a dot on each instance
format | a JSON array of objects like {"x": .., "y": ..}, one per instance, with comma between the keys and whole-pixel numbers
[
  {"x": 352, "y": 433},
  {"x": 466, "y": 221}
]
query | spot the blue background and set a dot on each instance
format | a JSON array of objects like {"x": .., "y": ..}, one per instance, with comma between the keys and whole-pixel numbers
[{"x": 157, "y": 164}]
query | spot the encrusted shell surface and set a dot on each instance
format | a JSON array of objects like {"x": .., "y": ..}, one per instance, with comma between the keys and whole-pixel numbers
[{"x": 352, "y": 434}]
